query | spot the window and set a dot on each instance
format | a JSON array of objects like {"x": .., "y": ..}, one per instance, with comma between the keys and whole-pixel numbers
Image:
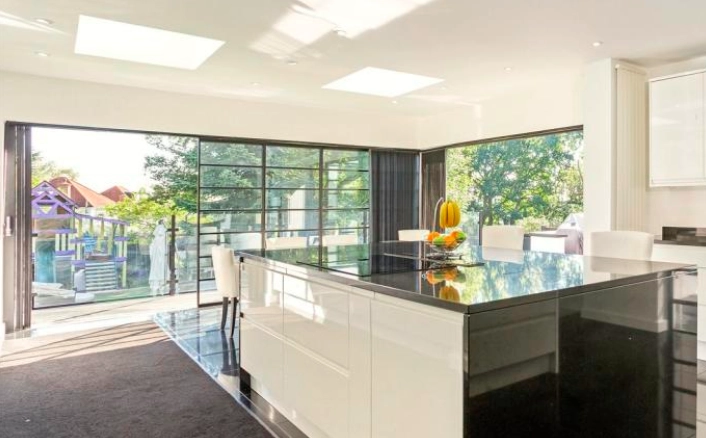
[
  {"x": 273, "y": 196},
  {"x": 535, "y": 182}
]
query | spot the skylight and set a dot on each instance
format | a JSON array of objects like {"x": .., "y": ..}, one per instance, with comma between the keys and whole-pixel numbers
[
  {"x": 381, "y": 82},
  {"x": 130, "y": 42}
]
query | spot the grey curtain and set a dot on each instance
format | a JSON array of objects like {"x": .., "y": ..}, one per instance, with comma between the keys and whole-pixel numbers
[
  {"x": 395, "y": 193},
  {"x": 433, "y": 184}
]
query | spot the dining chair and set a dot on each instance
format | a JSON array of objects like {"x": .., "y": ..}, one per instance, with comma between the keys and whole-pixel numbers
[
  {"x": 632, "y": 245},
  {"x": 412, "y": 235},
  {"x": 227, "y": 274},
  {"x": 503, "y": 236}
]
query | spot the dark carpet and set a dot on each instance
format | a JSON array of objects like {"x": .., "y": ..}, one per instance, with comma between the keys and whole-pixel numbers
[{"x": 149, "y": 389}]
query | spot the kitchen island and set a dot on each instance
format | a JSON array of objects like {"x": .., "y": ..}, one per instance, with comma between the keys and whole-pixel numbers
[{"x": 380, "y": 341}]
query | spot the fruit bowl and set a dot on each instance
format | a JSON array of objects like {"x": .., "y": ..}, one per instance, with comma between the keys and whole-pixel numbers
[{"x": 446, "y": 243}]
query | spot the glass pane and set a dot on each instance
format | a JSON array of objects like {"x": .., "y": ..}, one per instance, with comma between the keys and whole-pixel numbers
[
  {"x": 291, "y": 239},
  {"x": 346, "y": 199},
  {"x": 341, "y": 159},
  {"x": 230, "y": 222},
  {"x": 345, "y": 237},
  {"x": 292, "y": 219},
  {"x": 292, "y": 199},
  {"x": 346, "y": 218},
  {"x": 235, "y": 241},
  {"x": 212, "y": 176},
  {"x": 346, "y": 179},
  {"x": 292, "y": 178},
  {"x": 231, "y": 199},
  {"x": 206, "y": 268},
  {"x": 284, "y": 156},
  {"x": 231, "y": 153}
]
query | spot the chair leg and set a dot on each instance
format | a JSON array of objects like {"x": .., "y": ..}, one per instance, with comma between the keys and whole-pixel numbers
[
  {"x": 224, "y": 313},
  {"x": 235, "y": 312}
]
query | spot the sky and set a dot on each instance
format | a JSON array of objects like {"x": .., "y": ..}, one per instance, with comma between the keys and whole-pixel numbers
[{"x": 101, "y": 158}]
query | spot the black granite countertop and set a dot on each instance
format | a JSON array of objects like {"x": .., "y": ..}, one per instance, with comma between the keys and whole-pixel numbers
[{"x": 485, "y": 278}]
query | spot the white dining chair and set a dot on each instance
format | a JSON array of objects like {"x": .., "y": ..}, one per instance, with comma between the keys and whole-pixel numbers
[
  {"x": 632, "y": 245},
  {"x": 503, "y": 236},
  {"x": 227, "y": 274},
  {"x": 412, "y": 235}
]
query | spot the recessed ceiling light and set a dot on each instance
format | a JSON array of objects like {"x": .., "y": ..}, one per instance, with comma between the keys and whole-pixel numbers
[
  {"x": 44, "y": 21},
  {"x": 444, "y": 88},
  {"x": 597, "y": 43},
  {"x": 395, "y": 102},
  {"x": 42, "y": 54},
  {"x": 340, "y": 32},
  {"x": 255, "y": 84},
  {"x": 148, "y": 45},
  {"x": 508, "y": 68},
  {"x": 381, "y": 82},
  {"x": 292, "y": 62}
]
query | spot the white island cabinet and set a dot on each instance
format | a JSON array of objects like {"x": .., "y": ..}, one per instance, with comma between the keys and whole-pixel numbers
[
  {"x": 338, "y": 361},
  {"x": 677, "y": 130}
]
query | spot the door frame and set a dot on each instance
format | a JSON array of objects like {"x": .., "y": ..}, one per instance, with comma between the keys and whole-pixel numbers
[{"x": 17, "y": 225}]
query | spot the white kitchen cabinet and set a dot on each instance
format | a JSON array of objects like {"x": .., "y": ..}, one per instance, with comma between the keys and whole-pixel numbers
[
  {"x": 306, "y": 344},
  {"x": 261, "y": 296},
  {"x": 417, "y": 371},
  {"x": 677, "y": 131}
]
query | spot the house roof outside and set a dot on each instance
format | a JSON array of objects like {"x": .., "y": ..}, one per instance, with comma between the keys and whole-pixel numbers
[
  {"x": 117, "y": 193},
  {"x": 83, "y": 196}
]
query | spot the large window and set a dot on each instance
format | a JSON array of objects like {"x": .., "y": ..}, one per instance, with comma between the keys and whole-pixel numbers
[
  {"x": 535, "y": 182},
  {"x": 272, "y": 196}
]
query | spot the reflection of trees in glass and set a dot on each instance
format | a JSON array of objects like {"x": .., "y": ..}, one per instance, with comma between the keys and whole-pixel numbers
[
  {"x": 540, "y": 272},
  {"x": 46, "y": 170},
  {"x": 507, "y": 181},
  {"x": 347, "y": 180}
]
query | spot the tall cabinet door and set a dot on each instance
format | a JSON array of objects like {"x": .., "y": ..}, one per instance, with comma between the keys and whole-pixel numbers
[{"x": 677, "y": 131}]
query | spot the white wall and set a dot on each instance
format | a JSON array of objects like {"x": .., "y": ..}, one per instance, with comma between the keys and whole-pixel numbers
[
  {"x": 676, "y": 206},
  {"x": 599, "y": 152},
  {"x": 548, "y": 106},
  {"x": 26, "y": 98}
]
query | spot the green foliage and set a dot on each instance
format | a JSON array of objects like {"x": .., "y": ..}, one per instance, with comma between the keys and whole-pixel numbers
[
  {"x": 232, "y": 179},
  {"x": 143, "y": 213},
  {"x": 174, "y": 170},
  {"x": 46, "y": 170},
  {"x": 538, "y": 177}
]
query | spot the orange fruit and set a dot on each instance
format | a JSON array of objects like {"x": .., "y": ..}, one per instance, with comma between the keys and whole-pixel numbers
[{"x": 432, "y": 235}]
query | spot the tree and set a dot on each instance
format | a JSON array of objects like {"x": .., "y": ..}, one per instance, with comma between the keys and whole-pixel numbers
[
  {"x": 143, "y": 212},
  {"x": 506, "y": 181},
  {"x": 174, "y": 170},
  {"x": 46, "y": 170}
]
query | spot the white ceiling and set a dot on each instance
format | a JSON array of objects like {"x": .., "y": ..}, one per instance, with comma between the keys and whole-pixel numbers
[{"x": 469, "y": 43}]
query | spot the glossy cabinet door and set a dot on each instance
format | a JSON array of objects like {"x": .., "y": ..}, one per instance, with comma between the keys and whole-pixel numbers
[
  {"x": 327, "y": 358},
  {"x": 262, "y": 356},
  {"x": 417, "y": 372},
  {"x": 316, "y": 317},
  {"x": 261, "y": 296},
  {"x": 677, "y": 149},
  {"x": 261, "y": 348}
]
